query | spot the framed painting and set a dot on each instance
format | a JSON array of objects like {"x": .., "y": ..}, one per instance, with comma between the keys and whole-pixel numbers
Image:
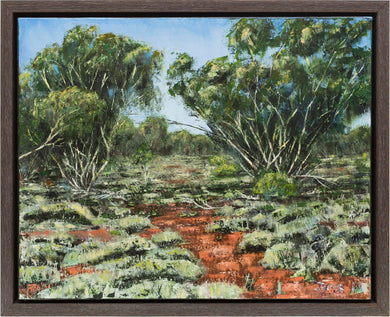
[{"x": 202, "y": 158}]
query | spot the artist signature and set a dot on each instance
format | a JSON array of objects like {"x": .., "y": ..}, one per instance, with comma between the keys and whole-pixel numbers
[{"x": 329, "y": 287}]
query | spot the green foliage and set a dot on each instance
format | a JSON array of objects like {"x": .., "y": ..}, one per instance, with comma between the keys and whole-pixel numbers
[
  {"x": 218, "y": 290},
  {"x": 87, "y": 254},
  {"x": 166, "y": 238},
  {"x": 38, "y": 274},
  {"x": 154, "y": 131},
  {"x": 282, "y": 256},
  {"x": 255, "y": 241},
  {"x": 95, "y": 285},
  {"x": 348, "y": 259},
  {"x": 134, "y": 224},
  {"x": 184, "y": 143},
  {"x": 36, "y": 254},
  {"x": 275, "y": 185},
  {"x": 176, "y": 270},
  {"x": 67, "y": 212},
  {"x": 116, "y": 67},
  {"x": 142, "y": 155},
  {"x": 174, "y": 254},
  {"x": 125, "y": 141},
  {"x": 228, "y": 225},
  {"x": 363, "y": 164},
  {"x": 222, "y": 167},
  {"x": 289, "y": 82},
  {"x": 74, "y": 96}
]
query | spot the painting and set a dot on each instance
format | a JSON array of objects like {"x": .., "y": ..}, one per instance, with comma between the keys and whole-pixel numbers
[{"x": 194, "y": 158}]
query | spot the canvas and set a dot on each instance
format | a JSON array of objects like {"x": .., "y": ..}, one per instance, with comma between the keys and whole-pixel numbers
[{"x": 194, "y": 158}]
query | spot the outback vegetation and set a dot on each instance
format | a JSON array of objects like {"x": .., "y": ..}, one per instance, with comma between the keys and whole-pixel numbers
[{"x": 272, "y": 201}]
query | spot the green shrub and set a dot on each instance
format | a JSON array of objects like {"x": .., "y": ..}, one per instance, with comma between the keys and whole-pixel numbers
[
  {"x": 45, "y": 253},
  {"x": 166, "y": 238},
  {"x": 131, "y": 245},
  {"x": 173, "y": 254},
  {"x": 227, "y": 225},
  {"x": 255, "y": 241},
  {"x": 275, "y": 185},
  {"x": 37, "y": 274},
  {"x": 177, "y": 270},
  {"x": 363, "y": 164},
  {"x": 58, "y": 238},
  {"x": 222, "y": 168},
  {"x": 159, "y": 289},
  {"x": 262, "y": 221},
  {"x": 282, "y": 256},
  {"x": 95, "y": 285},
  {"x": 348, "y": 259},
  {"x": 218, "y": 290},
  {"x": 68, "y": 212},
  {"x": 134, "y": 224}
]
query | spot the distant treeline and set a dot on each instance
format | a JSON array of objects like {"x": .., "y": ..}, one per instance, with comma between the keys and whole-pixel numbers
[{"x": 153, "y": 134}]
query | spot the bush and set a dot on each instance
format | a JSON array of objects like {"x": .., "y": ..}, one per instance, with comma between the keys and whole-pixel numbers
[
  {"x": 173, "y": 254},
  {"x": 95, "y": 285},
  {"x": 166, "y": 238},
  {"x": 264, "y": 222},
  {"x": 134, "y": 224},
  {"x": 176, "y": 270},
  {"x": 363, "y": 164},
  {"x": 37, "y": 274},
  {"x": 282, "y": 256},
  {"x": 222, "y": 168},
  {"x": 131, "y": 245},
  {"x": 68, "y": 212},
  {"x": 36, "y": 254},
  {"x": 218, "y": 290},
  {"x": 227, "y": 225},
  {"x": 255, "y": 241},
  {"x": 348, "y": 259},
  {"x": 275, "y": 185},
  {"x": 160, "y": 289}
]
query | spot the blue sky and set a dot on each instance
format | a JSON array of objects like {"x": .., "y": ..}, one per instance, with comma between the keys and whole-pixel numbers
[{"x": 202, "y": 38}]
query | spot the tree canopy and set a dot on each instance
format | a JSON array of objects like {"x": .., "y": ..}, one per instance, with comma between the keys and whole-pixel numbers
[
  {"x": 77, "y": 92},
  {"x": 286, "y": 83}
]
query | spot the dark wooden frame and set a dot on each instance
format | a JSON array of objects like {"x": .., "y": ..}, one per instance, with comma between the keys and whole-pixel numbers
[{"x": 11, "y": 10}]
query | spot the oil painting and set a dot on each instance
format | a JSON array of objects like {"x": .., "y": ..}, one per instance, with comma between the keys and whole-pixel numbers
[{"x": 194, "y": 158}]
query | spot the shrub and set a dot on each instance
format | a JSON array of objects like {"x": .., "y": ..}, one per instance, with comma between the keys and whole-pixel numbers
[
  {"x": 173, "y": 254},
  {"x": 363, "y": 164},
  {"x": 275, "y": 185},
  {"x": 166, "y": 238},
  {"x": 262, "y": 221},
  {"x": 348, "y": 259},
  {"x": 37, "y": 274},
  {"x": 95, "y": 285},
  {"x": 45, "y": 253},
  {"x": 131, "y": 245},
  {"x": 133, "y": 224},
  {"x": 160, "y": 289},
  {"x": 218, "y": 290},
  {"x": 61, "y": 238},
  {"x": 222, "y": 168},
  {"x": 282, "y": 256},
  {"x": 227, "y": 225},
  {"x": 68, "y": 212},
  {"x": 255, "y": 241},
  {"x": 177, "y": 270}
]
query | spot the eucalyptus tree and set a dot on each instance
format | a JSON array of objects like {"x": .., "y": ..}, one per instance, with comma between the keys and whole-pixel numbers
[
  {"x": 102, "y": 77},
  {"x": 285, "y": 84}
]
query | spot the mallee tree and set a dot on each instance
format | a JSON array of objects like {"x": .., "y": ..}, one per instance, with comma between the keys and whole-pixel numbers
[{"x": 286, "y": 83}]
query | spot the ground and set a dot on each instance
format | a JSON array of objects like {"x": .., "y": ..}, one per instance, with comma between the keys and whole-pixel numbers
[{"x": 174, "y": 228}]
